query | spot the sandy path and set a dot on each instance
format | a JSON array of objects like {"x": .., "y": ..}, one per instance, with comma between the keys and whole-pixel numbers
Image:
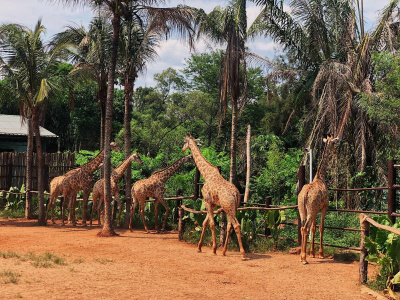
[{"x": 157, "y": 266}]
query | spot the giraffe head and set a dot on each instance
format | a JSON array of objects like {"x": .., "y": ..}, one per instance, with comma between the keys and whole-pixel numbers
[
  {"x": 186, "y": 144},
  {"x": 114, "y": 147},
  {"x": 136, "y": 157},
  {"x": 189, "y": 159},
  {"x": 187, "y": 140},
  {"x": 330, "y": 143}
]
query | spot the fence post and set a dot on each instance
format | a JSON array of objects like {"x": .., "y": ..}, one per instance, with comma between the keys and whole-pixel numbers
[
  {"x": 196, "y": 184},
  {"x": 178, "y": 204},
  {"x": 363, "y": 269},
  {"x": 268, "y": 201},
  {"x": 391, "y": 190},
  {"x": 180, "y": 223},
  {"x": 302, "y": 181}
]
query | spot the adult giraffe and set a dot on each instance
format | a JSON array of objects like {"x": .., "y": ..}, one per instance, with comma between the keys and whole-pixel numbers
[
  {"x": 216, "y": 191},
  {"x": 154, "y": 186},
  {"x": 76, "y": 180},
  {"x": 116, "y": 174},
  {"x": 313, "y": 198}
]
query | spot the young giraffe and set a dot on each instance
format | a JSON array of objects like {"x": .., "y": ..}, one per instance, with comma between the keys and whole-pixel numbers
[
  {"x": 81, "y": 179},
  {"x": 154, "y": 186},
  {"x": 216, "y": 192},
  {"x": 313, "y": 198},
  {"x": 116, "y": 174}
]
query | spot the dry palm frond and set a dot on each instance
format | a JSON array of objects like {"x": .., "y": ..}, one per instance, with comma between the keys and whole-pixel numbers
[{"x": 171, "y": 20}]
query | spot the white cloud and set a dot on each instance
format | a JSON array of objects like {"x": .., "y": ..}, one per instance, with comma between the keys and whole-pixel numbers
[{"x": 54, "y": 16}]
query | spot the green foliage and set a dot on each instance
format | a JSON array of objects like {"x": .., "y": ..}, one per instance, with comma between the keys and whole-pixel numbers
[
  {"x": 275, "y": 174},
  {"x": 384, "y": 104},
  {"x": 15, "y": 202},
  {"x": 384, "y": 249},
  {"x": 273, "y": 219}
]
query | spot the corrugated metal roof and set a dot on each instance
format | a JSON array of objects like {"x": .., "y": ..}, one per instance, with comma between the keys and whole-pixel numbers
[{"x": 11, "y": 125}]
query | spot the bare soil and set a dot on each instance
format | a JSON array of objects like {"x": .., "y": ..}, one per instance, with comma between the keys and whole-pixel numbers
[{"x": 157, "y": 266}]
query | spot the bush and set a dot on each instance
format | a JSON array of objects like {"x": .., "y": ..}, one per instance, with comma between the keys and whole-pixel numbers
[{"x": 384, "y": 249}]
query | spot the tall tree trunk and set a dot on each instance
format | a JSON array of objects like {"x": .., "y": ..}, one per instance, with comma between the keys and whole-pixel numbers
[
  {"x": 39, "y": 153},
  {"x": 102, "y": 99},
  {"x": 128, "y": 90},
  {"x": 232, "y": 174},
  {"x": 248, "y": 171},
  {"x": 29, "y": 169},
  {"x": 209, "y": 131},
  {"x": 107, "y": 227}
]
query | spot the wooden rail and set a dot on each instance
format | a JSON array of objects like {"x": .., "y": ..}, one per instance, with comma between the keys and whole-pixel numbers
[
  {"x": 365, "y": 223},
  {"x": 360, "y": 189}
]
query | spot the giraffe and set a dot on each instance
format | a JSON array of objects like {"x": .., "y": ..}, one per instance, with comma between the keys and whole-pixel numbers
[
  {"x": 154, "y": 186},
  {"x": 81, "y": 179},
  {"x": 313, "y": 198},
  {"x": 116, "y": 174},
  {"x": 55, "y": 191},
  {"x": 216, "y": 192}
]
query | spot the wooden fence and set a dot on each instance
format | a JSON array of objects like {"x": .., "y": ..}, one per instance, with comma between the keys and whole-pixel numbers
[
  {"x": 13, "y": 168},
  {"x": 391, "y": 203},
  {"x": 365, "y": 222}
]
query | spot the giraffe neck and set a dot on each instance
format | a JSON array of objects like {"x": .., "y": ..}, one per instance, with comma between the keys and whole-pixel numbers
[
  {"x": 206, "y": 169},
  {"x": 94, "y": 164},
  {"x": 323, "y": 164},
  {"x": 118, "y": 171},
  {"x": 166, "y": 173}
]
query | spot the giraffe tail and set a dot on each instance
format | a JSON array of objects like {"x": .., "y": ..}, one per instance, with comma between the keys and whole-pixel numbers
[{"x": 303, "y": 222}]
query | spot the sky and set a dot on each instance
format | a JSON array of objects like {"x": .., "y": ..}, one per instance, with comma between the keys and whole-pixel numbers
[{"x": 172, "y": 53}]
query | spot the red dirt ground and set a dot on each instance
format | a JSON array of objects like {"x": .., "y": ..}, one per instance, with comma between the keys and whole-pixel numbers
[{"x": 157, "y": 266}]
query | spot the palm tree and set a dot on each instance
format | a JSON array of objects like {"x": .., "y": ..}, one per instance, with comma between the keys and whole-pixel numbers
[
  {"x": 328, "y": 44},
  {"x": 166, "y": 20},
  {"x": 91, "y": 57},
  {"x": 137, "y": 47},
  {"x": 30, "y": 64},
  {"x": 229, "y": 26}
]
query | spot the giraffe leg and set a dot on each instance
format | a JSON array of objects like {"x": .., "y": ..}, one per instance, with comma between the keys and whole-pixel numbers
[
  {"x": 205, "y": 223},
  {"x": 84, "y": 206},
  {"x": 321, "y": 232},
  {"x": 119, "y": 211},
  {"x": 312, "y": 250},
  {"x": 99, "y": 210},
  {"x": 72, "y": 210},
  {"x": 50, "y": 206},
  {"x": 141, "y": 211},
  {"x": 228, "y": 231},
  {"x": 63, "y": 209},
  {"x": 133, "y": 207},
  {"x": 236, "y": 226},
  {"x": 210, "y": 209},
  {"x": 166, "y": 213},
  {"x": 92, "y": 210},
  {"x": 304, "y": 233},
  {"x": 156, "y": 215}
]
